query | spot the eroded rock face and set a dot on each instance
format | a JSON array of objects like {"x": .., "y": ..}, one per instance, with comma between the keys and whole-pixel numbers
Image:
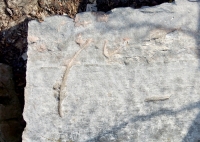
[
  {"x": 10, "y": 111},
  {"x": 126, "y": 75}
]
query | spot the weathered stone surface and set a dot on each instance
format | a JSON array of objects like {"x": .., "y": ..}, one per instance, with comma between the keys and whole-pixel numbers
[
  {"x": 10, "y": 111},
  {"x": 127, "y": 75}
]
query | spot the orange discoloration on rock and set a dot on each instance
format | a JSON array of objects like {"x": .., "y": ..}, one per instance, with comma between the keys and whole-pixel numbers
[{"x": 32, "y": 39}]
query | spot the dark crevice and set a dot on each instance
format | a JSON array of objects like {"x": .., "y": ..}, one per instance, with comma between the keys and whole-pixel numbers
[
  {"x": 4, "y": 100},
  {"x": 10, "y": 119},
  {"x": 107, "y": 5},
  {"x": 13, "y": 44}
]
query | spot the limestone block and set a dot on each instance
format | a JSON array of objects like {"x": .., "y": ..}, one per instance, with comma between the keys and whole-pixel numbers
[{"x": 126, "y": 75}]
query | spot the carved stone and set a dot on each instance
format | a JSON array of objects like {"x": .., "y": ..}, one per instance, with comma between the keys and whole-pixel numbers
[{"x": 126, "y": 75}]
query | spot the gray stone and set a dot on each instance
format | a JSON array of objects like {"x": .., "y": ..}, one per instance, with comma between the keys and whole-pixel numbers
[{"x": 126, "y": 75}]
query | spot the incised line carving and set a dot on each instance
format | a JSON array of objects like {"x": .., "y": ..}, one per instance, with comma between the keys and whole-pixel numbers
[
  {"x": 157, "y": 98},
  {"x": 83, "y": 44}
]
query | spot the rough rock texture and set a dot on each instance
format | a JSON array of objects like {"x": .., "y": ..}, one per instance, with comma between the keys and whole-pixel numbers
[
  {"x": 10, "y": 111},
  {"x": 126, "y": 75},
  {"x": 13, "y": 12}
]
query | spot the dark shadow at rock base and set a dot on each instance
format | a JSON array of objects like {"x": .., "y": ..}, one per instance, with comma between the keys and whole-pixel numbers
[
  {"x": 107, "y": 5},
  {"x": 13, "y": 45}
]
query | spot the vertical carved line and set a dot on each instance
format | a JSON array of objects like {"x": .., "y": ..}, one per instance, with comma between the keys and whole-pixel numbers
[{"x": 64, "y": 78}]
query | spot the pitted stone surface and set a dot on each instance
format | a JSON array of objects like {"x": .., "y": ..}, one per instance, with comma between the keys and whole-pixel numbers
[{"x": 126, "y": 75}]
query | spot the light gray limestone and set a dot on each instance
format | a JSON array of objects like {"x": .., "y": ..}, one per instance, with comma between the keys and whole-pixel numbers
[{"x": 123, "y": 76}]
